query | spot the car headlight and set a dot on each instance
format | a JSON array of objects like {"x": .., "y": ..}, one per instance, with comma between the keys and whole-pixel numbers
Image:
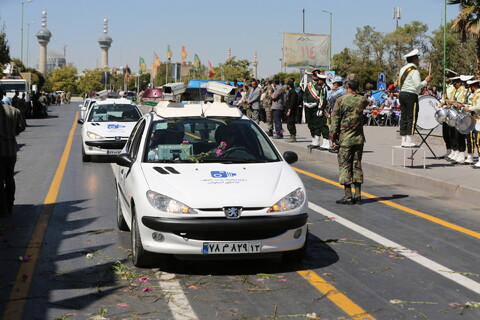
[
  {"x": 291, "y": 201},
  {"x": 167, "y": 204},
  {"x": 94, "y": 136}
]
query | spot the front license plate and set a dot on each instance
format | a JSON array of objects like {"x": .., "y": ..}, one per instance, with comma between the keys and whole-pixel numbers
[
  {"x": 231, "y": 247},
  {"x": 113, "y": 152}
]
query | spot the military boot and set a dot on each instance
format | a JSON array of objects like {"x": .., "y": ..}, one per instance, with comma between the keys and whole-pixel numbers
[{"x": 293, "y": 138}]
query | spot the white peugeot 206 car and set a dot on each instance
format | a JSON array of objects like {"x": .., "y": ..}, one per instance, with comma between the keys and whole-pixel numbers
[
  {"x": 204, "y": 181},
  {"x": 107, "y": 126}
]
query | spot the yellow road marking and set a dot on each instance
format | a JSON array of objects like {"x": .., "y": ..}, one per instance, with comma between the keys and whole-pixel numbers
[
  {"x": 400, "y": 207},
  {"x": 341, "y": 300},
  {"x": 19, "y": 294}
]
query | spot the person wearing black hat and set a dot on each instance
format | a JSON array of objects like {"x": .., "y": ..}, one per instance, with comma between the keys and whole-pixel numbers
[
  {"x": 410, "y": 86},
  {"x": 315, "y": 103}
]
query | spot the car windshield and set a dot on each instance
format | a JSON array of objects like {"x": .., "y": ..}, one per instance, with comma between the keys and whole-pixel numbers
[
  {"x": 114, "y": 112},
  {"x": 208, "y": 140}
]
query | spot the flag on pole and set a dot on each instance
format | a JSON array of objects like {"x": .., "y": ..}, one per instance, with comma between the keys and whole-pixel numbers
[
  {"x": 211, "y": 71},
  {"x": 127, "y": 74},
  {"x": 142, "y": 65},
  {"x": 156, "y": 63},
  {"x": 196, "y": 63},
  {"x": 184, "y": 54},
  {"x": 169, "y": 53}
]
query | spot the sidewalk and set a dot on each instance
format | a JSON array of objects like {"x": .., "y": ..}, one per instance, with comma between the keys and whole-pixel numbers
[{"x": 440, "y": 177}]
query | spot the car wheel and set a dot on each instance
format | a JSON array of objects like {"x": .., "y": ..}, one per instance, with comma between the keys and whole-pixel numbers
[
  {"x": 121, "y": 223},
  {"x": 140, "y": 257},
  {"x": 85, "y": 157},
  {"x": 296, "y": 255}
]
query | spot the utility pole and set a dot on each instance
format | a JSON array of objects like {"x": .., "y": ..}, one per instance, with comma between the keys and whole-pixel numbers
[{"x": 303, "y": 10}]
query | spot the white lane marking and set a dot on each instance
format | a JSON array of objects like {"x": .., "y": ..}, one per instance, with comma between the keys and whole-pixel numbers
[
  {"x": 425, "y": 262},
  {"x": 177, "y": 300}
]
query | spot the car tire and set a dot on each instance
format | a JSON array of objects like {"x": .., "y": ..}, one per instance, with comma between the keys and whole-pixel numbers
[
  {"x": 296, "y": 255},
  {"x": 140, "y": 257},
  {"x": 121, "y": 223},
  {"x": 85, "y": 157}
]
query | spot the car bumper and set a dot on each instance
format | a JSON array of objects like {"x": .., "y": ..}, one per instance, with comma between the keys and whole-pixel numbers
[
  {"x": 188, "y": 236},
  {"x": 106, "y": 144}
]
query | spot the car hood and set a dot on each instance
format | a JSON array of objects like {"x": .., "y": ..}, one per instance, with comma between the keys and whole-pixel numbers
[
  {"x": 218, "y": 185},
  {"x": 110, "y": 129}
]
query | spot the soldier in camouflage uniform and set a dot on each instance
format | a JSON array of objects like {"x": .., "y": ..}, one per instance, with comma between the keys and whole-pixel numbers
[
  {"x": 267, "y": 105},
  {"x": 347, "y": 136}
]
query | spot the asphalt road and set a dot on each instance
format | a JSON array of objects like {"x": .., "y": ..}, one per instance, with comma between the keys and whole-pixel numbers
[{"x": 403, "y": 254}]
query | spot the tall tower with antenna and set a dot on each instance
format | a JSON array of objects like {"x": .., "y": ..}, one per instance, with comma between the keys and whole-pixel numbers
[
  {"x": 105, "y": 42},
  {"x": 43, "y": 36}
]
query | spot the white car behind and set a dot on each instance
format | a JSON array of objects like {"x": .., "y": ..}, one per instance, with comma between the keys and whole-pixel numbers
[{"x": 107, "y": 126}]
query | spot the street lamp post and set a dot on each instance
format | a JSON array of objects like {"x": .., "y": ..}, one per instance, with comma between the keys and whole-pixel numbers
[
  {"x": 21, "y": 33},
  {"x": 330, "y": 46},
  {"x": 28, "y": 41}
]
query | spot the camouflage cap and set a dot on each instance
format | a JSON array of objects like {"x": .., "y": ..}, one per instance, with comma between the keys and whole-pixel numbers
[{"x": 352, "y": 77}]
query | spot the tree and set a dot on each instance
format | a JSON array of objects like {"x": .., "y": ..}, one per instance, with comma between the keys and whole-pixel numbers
[
  {"x": 467, "y": 24},
  {"x": 456, "y": 51},
  {"x": 64, "y": 79},
  {"x": 90, "y": 81},
  {"x": 233, "y": 69},
  {"x": 4, "y": 48}
]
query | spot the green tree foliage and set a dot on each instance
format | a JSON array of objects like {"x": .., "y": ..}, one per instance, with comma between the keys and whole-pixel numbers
[
  {"x": 456, "y": 50},
  {"x": 90, "y": 81},
  {"x": 64, "y": 79},
  {"x": 4, "y": 48},
  {"x": 233, "y": 69},
  {"x": 467, "y": 24},
  {"x": 37, "y": 79},
  {"x": 379, "y": 52},
  {"x": 285, "y": 77}
]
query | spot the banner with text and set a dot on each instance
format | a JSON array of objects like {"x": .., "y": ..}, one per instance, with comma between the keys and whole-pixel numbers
[{"x": 305, "y": 50}]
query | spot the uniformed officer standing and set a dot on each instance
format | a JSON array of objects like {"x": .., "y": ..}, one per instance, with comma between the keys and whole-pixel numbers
[
  {"x": 449, "y": 75},
  {"x": 347, "y": 136},
  {"x": 315, "y": 103},
  {"x": 474, "y": 106},
  {"x": 457, "y": 139},
  {"x": 410, "y": 86}
]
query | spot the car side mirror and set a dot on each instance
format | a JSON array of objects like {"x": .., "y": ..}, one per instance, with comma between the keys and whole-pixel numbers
[
  {"x": 290, "y": 157},
  {"x": 80, "y": 121},
  {"x": 80, "y": 105},
  {"x": 124, "y": 160}
]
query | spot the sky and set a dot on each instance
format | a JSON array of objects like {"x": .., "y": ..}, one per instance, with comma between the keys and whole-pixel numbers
[{"x": 205, "y": 27}]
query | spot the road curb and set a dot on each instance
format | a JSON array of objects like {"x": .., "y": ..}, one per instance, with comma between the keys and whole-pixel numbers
[{"x": 437, "y": 187}]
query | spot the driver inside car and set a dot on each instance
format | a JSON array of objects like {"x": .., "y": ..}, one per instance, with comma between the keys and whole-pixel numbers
[{"x": 234, "y": 146}]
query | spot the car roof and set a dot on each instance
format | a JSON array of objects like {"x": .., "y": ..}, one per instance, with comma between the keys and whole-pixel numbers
[
  {"x": 114, "y": 101},
  {"x": 167, "y": 109}
]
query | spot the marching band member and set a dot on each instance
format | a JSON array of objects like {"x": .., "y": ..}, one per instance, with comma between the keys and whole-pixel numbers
[
  {"x": 474, "y": 106},
  {"x": 459, "y": 139},
  {"x": 449, "y": 75},
  {"x": 410, "y": 86},
  {"x": 457, "y": 94}
]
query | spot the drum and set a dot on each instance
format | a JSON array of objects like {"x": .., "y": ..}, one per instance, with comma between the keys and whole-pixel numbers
[
  {"x": 465, "y": 123},
  {"x": 427, "y": 107},
  {"x": 477, "y": 125},
  {"x": 441, "y": 115},
  {"x": 452, "y": 117}
]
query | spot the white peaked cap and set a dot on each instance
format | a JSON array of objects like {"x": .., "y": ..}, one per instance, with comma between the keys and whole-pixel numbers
[
  {"x": 412, "y": 53},
  {"x": 466, "y": 78}
]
